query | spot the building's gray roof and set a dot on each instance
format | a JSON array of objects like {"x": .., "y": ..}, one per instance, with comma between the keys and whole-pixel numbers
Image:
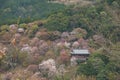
[{"x": 80, "y": 51}]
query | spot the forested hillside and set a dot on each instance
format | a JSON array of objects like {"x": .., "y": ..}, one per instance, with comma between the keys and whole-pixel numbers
[
  {"x": 100, "y": 17},
  {"x": 26, "y": 10},
  {"x": 59, "y": 40}
]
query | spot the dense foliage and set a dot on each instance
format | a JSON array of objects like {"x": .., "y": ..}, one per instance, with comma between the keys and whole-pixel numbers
[
  {"x": 26, "y": 10},
  {"x": 104, "y": 65},
  {"x": 96, "y": 19},
  {"x": 25, "y": 46}
]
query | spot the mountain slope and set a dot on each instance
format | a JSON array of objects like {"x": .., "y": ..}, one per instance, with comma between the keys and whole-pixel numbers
[
  {"x": 27, "y": 10},
  {"x": 68, "y": 2}
]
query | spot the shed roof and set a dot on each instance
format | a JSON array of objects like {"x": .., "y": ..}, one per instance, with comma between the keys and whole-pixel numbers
[{"x": 80, "y": 51}]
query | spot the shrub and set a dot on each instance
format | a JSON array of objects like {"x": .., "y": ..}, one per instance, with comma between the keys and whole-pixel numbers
[
  {"x": 33, "y": 30},
  {"x": 102, "y": 75},
  {"x": 22, "y": 56},
  {"x": 86, "y": 69},
  {"x": 58, "y": 22},
  {"x": 82, "y": 77},
  {"x": 25, "y": 26},
  {"x": 4, "y": 28},
  {"x": 50, "y": 54}
]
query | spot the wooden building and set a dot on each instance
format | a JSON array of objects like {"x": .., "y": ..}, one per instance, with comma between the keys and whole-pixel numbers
[{"x": 80, "y": 54}]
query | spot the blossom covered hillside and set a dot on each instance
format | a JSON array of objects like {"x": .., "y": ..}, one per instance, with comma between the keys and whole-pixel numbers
[{"x": 77, "y": 41}]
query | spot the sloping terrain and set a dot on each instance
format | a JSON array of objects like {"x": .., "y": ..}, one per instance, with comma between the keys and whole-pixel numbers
[
  {"x": 41, "y": 50},
  {"x": 68, "y": 2},
  {"x": 26, "y": 10}
]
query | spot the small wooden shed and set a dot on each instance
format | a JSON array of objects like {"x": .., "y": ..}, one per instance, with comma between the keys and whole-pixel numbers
[{"x": 80, "y": 54}]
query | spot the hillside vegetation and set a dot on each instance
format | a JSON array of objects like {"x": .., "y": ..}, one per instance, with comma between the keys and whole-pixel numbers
[
  {"x": 38, "y": 44},
  {"x": 102, "y": 17},
  {"x": 26, "y": 10},
  {"x": 70, "y": 2}
]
